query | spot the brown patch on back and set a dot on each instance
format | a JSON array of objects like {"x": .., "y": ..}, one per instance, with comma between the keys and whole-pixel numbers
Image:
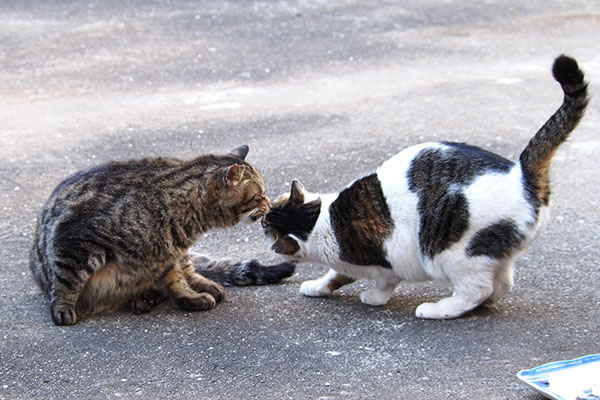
[{"x": 362, "y": 221}]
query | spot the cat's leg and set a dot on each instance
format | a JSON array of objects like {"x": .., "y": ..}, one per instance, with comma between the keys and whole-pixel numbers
[
  {"x": 325, "y": 285},
  {"x": 199, "y": 283},
  {"x": 503, "y": 281},
  {"x": 177, "y": 286},
  {"x": 469, "y": 292},
  {"x": 381, "y": 293},
  {"x": 71, "y": 272},
  {"x": 461, "y": 302},
  {"x": 147, "y": 300}
]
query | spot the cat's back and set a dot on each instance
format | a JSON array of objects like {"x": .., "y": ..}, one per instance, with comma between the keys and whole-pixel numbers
[
  {"x": 435, "y": 163},
  {"x": 114, "y": 174},
  {"x": 95, "y": 193},
  {"x": 448, "y": 191},
  {"x": 442, "y": 180}
]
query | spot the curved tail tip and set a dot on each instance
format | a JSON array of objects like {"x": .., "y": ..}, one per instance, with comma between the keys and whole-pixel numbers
[
  {"x": 284, "y": 270},
  {"x": 267, "y": 274},
  {"x": 566, "y": 71}
]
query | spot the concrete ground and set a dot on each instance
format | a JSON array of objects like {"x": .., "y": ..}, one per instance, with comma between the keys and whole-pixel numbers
[{"x": 322, "y": 91}]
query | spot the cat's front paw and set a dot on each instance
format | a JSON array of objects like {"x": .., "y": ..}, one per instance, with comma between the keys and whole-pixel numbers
[
  {"x": 213, "y": 288},
  {"x": 63, "y": 314},
  {"x": 314, "y": 288}
]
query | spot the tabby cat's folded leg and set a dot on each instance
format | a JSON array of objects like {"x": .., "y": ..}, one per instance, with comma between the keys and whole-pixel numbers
[
  {"x": 199, "y": 283},
  {"x": 71, "y": 272},
  {"x": 179, "y": 289}
]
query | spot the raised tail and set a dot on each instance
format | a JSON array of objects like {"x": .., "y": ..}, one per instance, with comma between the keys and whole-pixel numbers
[
  {"x": 536, "y": 158},
  {"x": 231, "y": 273}
]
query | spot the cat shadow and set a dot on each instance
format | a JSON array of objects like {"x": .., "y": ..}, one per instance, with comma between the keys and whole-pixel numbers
[
  {"x": 345, "y": 300},
  {"x": 403, "y": 305}
]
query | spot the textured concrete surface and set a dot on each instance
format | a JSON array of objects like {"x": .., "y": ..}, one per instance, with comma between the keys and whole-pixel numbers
[{"x": 322, "y": 91}]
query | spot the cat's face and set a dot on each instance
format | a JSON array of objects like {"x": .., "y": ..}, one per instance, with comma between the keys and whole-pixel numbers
[
  {"x": 241, "y": 192},
  {"x": 290, "y": 221}
]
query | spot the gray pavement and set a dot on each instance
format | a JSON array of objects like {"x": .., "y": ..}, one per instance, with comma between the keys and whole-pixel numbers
[{"x": 322, "y": 91}]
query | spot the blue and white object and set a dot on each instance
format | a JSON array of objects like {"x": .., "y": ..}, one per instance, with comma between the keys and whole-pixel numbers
[{"x": 577, "y": 379}]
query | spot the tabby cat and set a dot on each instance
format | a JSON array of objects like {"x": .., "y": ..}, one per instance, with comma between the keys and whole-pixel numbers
[
  {"x": 118, "y": 234},
  {"x": 444, "y": 211}
]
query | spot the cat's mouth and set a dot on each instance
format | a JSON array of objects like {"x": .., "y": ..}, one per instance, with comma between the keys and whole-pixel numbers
[
  {"x": 256, "y": 214},
  {"x": 267, "y": 230}
]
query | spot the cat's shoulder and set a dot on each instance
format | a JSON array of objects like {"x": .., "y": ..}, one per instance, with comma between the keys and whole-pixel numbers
[{"x": 402, "y": 160}]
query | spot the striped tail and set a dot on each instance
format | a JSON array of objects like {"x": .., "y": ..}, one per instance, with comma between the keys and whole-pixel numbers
[
  {"x": 231, "y": 273},
  {"x": 535, "y": 160}
]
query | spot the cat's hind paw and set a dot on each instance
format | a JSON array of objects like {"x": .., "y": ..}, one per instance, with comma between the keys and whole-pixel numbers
[
  {"x": 147, "y": 301},
  {"x": 314, "y": 288},
  {"x": 375, "y": 297},
  {"x": 428, "y": 311},
  {"x": 438, "y": 311},
  {"x": 201, "y": 302},
  {"x": 453, "y": 306},
  {"x": 63, "y": 314}
]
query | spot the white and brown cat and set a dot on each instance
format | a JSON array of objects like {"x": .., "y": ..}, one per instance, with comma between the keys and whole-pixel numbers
[{"x": 450, "y": 212}]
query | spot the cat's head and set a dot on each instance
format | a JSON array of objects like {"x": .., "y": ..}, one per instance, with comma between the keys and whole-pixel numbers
[
  {"x": 290, "y": 221},
  {"x": 240, "y": 193}
]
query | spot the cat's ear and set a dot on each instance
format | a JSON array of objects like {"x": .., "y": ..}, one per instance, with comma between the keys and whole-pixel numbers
[
  {"x": 233, "y": 175},
  {"x": 241, "y": 152},
  {"x": 286, "y": 245},
  {"x": 297, "y": 192}
]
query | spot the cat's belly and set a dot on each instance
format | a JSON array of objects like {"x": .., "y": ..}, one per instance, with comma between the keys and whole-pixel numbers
[
  {"x": 410, "y": 269},
  {"x": 406, "y": 266},
  {"x": 402, "y": 251},
  {"x": 114, "y": 285}
]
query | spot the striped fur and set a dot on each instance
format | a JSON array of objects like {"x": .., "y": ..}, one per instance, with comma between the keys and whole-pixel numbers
[
  {"x": 118, "y": 234},
  {"x": 444, "y": 211},
  {"x": 536, "y": 158},
  {"x": 235, "y": 273}
]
